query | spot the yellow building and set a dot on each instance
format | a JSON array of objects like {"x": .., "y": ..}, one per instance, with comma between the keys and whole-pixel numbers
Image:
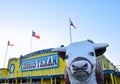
[
  {"x": 42, "y": 67},
  {"x": 46, "y": 67},
  {"x": 111, "y": 73}
]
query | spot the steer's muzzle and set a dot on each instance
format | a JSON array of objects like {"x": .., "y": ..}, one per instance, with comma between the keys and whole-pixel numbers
[
  {"x": 81, "y": 63},
  {"x": 78, "y": 68}
]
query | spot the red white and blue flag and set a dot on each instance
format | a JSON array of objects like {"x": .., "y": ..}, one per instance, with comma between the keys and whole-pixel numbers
[
  {"x": 71, "y": 23},
  {"x": 35, "y": 35},
  {"x": 10, "y": 44}
]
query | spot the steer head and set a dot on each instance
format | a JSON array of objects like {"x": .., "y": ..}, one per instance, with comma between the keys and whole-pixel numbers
[{"x": 81, "y": 57}]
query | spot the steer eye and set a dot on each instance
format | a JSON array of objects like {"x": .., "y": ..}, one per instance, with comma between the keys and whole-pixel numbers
[
  {"x": 66, "y": 56},
  {"x": 91, "y": 53}
]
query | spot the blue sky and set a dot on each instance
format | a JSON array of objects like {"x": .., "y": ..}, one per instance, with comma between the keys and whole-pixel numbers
[{"x": 98, "y": 20}]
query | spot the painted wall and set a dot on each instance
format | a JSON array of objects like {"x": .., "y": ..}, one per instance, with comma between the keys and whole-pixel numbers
[{"x": 37, "y": 65}]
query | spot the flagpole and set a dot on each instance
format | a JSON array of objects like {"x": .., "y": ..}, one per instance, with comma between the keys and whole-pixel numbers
[
  {"x": 5, "y": 55},
  {"x": 5, "y": 58},
  {"x": 30, "y": 52},
  {"x": 70, "y": 30},
  {"x": 31, "y": 43}
]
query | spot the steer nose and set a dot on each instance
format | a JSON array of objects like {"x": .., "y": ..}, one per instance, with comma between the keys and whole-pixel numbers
[{"x": 79, "y": 67}]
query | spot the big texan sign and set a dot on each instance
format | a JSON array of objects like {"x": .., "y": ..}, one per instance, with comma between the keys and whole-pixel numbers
[{"x": 50, "y": 61}]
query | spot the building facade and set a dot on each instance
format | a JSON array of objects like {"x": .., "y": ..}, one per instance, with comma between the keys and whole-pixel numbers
[{"x": 46, "y": 67}]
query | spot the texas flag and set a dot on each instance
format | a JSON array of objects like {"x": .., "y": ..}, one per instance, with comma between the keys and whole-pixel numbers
[
  {"x": 10, "y": 44},
  {"x": 35, "y": 35},
  {"x": 71, "y": 23}
]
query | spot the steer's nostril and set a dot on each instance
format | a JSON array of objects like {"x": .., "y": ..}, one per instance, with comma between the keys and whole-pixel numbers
[
  {"x": 73, "y": 65},
  {"x": 80, "y": 67},
  {"x": 85, "y": 66}
]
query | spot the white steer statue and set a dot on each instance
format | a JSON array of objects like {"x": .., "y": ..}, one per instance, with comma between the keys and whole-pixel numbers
[{"x": 82, "y": 66}]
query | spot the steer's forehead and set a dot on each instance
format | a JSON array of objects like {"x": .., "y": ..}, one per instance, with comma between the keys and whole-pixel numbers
[{"x": 80, "y": 47}]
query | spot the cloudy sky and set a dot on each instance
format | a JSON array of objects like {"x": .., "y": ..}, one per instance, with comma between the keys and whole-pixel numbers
[{"x": 98, "y": 20}]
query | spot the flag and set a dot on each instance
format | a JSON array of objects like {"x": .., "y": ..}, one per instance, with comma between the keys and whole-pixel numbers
[
  {"x": 71, "y": 23},
  {"x": 35, "y": 35},
  {"x": 10, "y": 44}
]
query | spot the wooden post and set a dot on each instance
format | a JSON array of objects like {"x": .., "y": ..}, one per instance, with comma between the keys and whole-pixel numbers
[
  {"x": 30, "y": 80},
  {"x": 41, "y": 82},
  {"x": 115, "y": 78},
  {"x": 16, "y": 81},
  {"x": 51, "y": 80},
  {"x": 55, "y": 80},
  {"x": 112, "y": 79}
]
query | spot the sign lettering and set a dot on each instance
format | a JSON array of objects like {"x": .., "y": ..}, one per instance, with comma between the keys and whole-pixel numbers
[{"x": 40, "y": 63}]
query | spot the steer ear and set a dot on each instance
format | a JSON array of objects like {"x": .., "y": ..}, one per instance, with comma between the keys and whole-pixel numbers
[
  {"x": 61, "y": 52},
  {"x": 100, "y": 48}
]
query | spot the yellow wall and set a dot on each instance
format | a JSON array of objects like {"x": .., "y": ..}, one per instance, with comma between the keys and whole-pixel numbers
[
  {"x": 40, "y": 72},
  {"x": 106, "y": 64},
  {"x": 16, "y": 72},
  {"x": 3, "y": 73}
]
